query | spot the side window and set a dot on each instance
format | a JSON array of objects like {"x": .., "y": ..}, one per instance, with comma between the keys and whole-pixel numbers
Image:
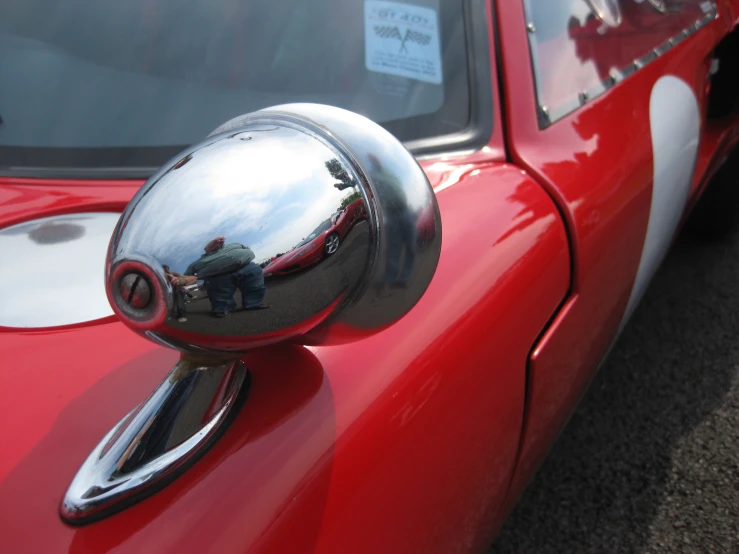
[{"x": 580, "y": 48}]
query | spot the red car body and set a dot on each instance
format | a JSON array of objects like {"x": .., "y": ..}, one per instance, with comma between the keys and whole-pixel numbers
[
  {"x": 422, "y": 437},
  {"x": 315, "y": 248}
]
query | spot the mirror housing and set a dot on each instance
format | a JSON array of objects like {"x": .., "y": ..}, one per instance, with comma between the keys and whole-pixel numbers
[
  {"x": 279, "y": 182},
  {"x": 302, "y": 222}
]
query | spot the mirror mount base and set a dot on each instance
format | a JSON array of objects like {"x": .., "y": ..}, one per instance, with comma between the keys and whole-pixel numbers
[{"x": 158, "y": 440}]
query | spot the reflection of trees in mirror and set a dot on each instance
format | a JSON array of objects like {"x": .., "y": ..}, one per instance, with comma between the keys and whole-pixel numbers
[
  {"x": 349, "y": 199},
  {"x": 338, "y": 172}
]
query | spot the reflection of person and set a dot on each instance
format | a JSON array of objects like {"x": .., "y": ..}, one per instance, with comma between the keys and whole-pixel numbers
[
  {"x": 179, "y": 310},
  {"x": 223, "y": 270},
  {"x": 401, "y": 228},
  {"x": 403, "y": 241}
]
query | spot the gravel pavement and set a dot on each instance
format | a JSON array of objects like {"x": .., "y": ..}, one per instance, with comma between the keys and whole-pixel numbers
[{"x": 650, "y": 460}]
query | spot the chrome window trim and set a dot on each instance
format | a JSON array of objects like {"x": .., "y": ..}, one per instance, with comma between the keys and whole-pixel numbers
[{"x": 548, "y": 115}]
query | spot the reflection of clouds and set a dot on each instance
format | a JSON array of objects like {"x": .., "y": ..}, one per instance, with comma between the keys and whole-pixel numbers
[
  {"x": 312, "y": 215},
  {"x": 267, "y": 193}
]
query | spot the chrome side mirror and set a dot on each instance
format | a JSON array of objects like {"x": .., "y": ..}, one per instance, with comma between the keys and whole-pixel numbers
[{"x": 303, "y": 223}]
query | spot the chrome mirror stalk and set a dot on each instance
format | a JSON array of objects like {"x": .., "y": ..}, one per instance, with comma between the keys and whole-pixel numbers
[{"x": 159, "y": 439}]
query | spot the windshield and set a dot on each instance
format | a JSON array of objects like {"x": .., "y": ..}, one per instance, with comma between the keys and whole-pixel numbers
[
  {"x": 317, "y": 231},
  {"x": 111, "y": 83}
]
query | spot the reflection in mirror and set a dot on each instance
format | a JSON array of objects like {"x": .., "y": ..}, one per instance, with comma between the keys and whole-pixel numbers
[
  {"x": 272, "y": 227},
  {"x": 282, "y": 224},
  {"x": 323, "y": 241},
  {"x": 237, "y": 211}
]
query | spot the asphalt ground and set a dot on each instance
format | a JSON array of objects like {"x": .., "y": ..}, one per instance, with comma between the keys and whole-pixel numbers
[{"x": 649, "y": 462}]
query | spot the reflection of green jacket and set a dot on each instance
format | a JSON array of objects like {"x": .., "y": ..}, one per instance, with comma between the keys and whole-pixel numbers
[{"x": 231, "y": 257}]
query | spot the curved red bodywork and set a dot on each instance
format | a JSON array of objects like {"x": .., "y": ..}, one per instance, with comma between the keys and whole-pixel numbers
[
  {"x": 328, "y": 435},
  {"x": 302, "y": 257},
  {"x": 602, "y": 182},
  {"x": 421, "y": 437}
]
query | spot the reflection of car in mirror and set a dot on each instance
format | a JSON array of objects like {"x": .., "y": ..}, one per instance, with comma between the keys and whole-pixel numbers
[{"x": 320, "y": 243}]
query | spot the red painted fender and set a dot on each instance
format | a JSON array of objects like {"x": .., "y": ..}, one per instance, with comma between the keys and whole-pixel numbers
[{"x": 403, "y": 442}]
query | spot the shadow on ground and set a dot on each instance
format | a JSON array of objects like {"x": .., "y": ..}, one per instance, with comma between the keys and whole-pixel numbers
[{"x": 650, "y": 460}]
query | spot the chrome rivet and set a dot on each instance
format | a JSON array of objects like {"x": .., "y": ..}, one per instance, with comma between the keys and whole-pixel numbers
[{"x": 530, "y": 27}]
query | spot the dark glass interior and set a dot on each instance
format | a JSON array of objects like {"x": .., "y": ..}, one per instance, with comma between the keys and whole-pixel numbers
[{"x": 110, "y": 84}]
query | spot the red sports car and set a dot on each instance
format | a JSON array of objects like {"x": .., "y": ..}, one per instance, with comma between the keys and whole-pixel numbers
[
  {"x": 525, "y": 166},
  {"x": 320, "y": 243}
]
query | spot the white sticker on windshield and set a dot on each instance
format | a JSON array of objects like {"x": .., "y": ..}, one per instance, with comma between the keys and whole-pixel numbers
[{"x": 403, "y": 40}]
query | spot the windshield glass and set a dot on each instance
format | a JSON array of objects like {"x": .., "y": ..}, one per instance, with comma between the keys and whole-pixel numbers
[
  {"x": 110, "y": 83},
  {"x": 318, "y": 230}
]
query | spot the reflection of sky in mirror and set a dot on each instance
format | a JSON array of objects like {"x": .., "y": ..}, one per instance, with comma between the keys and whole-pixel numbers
[{"x": 266, "y": 192}]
